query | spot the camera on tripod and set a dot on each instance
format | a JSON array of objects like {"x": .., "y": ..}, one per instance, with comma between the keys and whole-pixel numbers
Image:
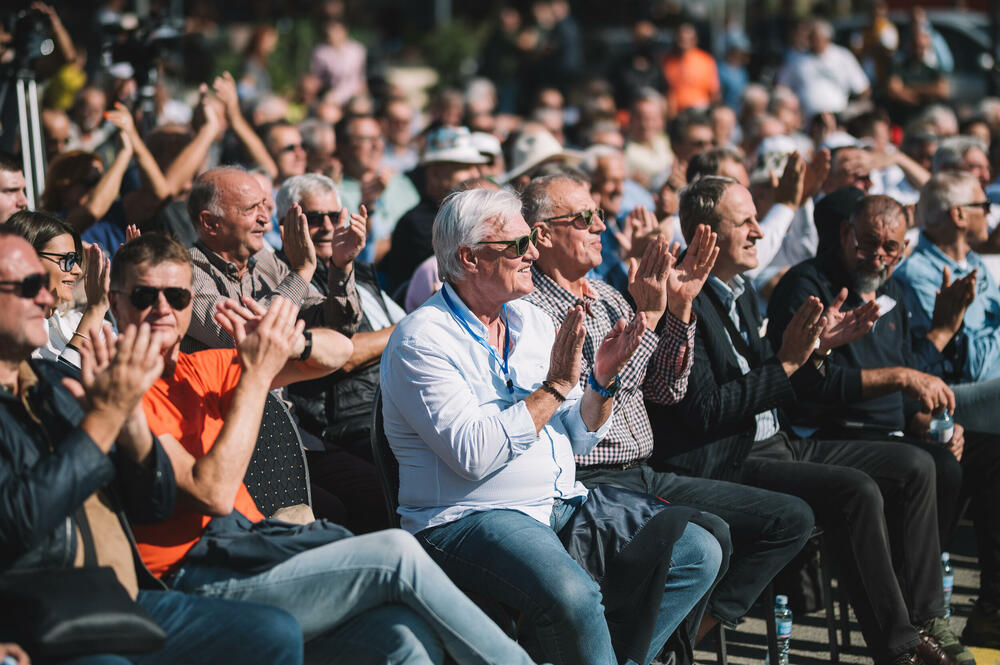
[{"x": 30, "y": 40}]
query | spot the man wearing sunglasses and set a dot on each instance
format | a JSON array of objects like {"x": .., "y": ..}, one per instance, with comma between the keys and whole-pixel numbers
[
  {"x": 768, "y": 528},
  {"x": 206, "y": 409},
  {"x": 878, "y": 389},
  {"x": 72, "y": 473},
  {"x": 227, "y": 207},
  {"x": 484, "y": 409}
]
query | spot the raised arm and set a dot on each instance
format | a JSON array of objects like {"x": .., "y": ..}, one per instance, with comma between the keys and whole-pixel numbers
[
  {"x": 225, "y": 89},
  {"x": 99, "y": 199}
]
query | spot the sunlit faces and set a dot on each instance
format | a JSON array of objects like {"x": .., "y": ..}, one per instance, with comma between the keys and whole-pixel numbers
[
  {"x": 61, "y": 281},
  {"x": 500, "y": 276},
  {"x": 322, "y": 233},
  {"x": 12, "y": 196},
  {"x": 285, "y": 145},
  {"x": 23, "y": 325},
  {"x": 738, "y": 232},
  {"x": 608, "y": 183},
  {"x": 163, "y": 319},
  {"x": 573, "y": 250},
  {"x": 245, "y": 217}
]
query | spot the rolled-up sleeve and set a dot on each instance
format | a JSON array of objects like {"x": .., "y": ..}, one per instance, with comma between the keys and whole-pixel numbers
[{"x": 582, "y": 439}]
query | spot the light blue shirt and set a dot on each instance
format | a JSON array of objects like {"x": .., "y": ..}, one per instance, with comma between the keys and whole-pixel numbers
[
  {"x": 979, "y": 338},
  {"x": 767, "y": 421},
  {"x": 463, "y": 442}
]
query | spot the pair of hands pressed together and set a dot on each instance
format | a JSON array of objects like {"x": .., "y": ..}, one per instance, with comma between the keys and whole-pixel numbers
[
  {"x": 658, "y": 281},
  {"x": 349, "y": 234}
]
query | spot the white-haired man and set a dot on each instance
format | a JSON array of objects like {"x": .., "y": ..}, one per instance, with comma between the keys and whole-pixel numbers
[{"x": 483, "y": 410}]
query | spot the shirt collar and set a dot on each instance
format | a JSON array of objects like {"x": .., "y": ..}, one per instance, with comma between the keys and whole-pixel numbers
[
  {"x": 926, "y": 246},
  {"x": 227, "y": 268},
  {"x": 549, "y": 287},
  {"x": 515, "y": 320},
  {"x": 728, "y": 293}
]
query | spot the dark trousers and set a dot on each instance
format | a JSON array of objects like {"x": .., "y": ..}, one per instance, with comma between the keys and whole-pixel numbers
[
  {"x": 976, "y": 481},
  {"x": 766, "y": 528},
  {"x": 877, "y": 501},
  {"x": 346, "y": 490}
]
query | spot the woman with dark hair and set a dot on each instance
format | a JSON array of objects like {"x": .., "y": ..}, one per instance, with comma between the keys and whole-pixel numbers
[{"x": 62, "y": 253}]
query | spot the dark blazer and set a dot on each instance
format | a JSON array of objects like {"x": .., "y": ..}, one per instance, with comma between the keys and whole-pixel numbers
[{"x": 709, "y": 433}]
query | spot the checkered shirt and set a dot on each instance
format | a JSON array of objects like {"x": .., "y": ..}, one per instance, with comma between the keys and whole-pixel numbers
[{"x": 631, "y": 437}]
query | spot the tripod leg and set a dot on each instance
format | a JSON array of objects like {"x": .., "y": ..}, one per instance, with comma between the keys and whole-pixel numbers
[
  {"x": 37, "y": 150},
  {"x": 22, "y": 116}
]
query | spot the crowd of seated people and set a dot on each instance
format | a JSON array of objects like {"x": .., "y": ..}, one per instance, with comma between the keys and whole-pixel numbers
[{"x": 627, "y": 341}]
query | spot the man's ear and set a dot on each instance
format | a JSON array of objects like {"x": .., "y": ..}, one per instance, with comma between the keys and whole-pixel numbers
[
  {"x": 544, "y": 234},
  {"x": 209, "y": 223},
  {"x": 113, "y": 302},
  {"x": 468, "y": 258},
  {"x": 958, "y": 217}
]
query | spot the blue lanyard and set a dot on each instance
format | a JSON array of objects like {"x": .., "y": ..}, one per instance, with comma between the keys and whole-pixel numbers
[{"x": 482, "y": 340}]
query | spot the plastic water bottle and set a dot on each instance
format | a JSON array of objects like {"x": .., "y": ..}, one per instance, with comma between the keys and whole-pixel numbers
[
  {"x": 942, "y": 427},
  {"x": 783, "y": 626},
  {"x": 948, "y": 582}
]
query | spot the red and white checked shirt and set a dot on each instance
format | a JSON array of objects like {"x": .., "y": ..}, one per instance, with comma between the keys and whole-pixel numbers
[{"x": 631, "y": 437}]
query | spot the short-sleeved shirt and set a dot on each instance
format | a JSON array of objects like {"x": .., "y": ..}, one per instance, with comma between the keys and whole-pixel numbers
[{"x": 191, "y": 407}]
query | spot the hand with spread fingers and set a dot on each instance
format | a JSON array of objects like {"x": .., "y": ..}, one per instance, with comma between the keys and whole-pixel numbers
[
  {"x": 640, "y": 229},
  {"x": 250, "y": 312},
  {"x": 844, "y": 327},
  {"x": 801, "y": 335},
  {"x": 297, "y": 243},
  {"x": 687, "y": 277},
  {"x": 349, "y": 238}
]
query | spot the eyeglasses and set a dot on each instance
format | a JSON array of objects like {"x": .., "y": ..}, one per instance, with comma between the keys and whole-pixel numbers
[
  {"x": 29, "y": 286},
  {"x": 520, "y": 244},
  {"x": 144, "y": 297},
  {"x": 291, "y": 147},
  {"x": 985, "y": 205},
  {"x": 66, "y": 261},
  {"x": 367, "y": 139},
  {"x": 581, "y": 220},
  {"x": 316, "y": 217},
  {"x": 869, "y": 249}
]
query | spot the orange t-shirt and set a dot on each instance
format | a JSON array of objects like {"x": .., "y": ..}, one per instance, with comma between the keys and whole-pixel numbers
[
  {"x": 693, "y": 79},
  {"x": 191, "y": 407}
]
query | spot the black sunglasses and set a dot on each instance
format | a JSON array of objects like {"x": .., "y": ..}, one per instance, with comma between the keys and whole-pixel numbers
[
  {"x": 520, "y": 244},
  {"x": 66, "y": 261},
  {"x": 985, "y": 205},
  {"x": 581, "y": 220},
  {"x": 29, "y": 286},
  {"x": 291, "y": 147},
  {"x": 316, "y": 217},
  {"x": 144, "y": 297}
]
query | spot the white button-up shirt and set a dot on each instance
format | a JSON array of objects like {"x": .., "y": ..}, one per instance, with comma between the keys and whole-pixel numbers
[{"x": 463, "y": 442}]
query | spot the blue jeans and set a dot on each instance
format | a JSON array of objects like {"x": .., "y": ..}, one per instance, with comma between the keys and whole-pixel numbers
[
  {"x": 205, "y": 631},
  {"x": 362, "y": 598},
  {"x": 520, "y": 562}
]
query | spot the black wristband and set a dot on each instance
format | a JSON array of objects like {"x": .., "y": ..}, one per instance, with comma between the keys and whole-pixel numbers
[
  {"x": 308, "y": 348},
  {"x": 550, "y": 389}
]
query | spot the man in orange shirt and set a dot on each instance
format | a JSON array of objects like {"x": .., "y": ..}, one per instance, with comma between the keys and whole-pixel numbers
[
  {"x": 691, "y": 73},
  {"x": 373, "y": 598}
]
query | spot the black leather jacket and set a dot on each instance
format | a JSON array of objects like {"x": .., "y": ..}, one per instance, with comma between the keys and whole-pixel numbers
[{"x": 48, "y": 468}]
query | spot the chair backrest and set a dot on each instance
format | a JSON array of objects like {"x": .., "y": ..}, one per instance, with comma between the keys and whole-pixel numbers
[
  {"x": 277, "y": 476},
  {"x": 385, "y": 461}
]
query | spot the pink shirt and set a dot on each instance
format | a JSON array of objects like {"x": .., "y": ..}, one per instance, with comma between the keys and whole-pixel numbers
[{"x": 340, "y": 68}]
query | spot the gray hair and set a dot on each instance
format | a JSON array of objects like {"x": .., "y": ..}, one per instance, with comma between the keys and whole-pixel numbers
[
  {"x": 295, "y": 188},
  {"x": 699, "y": 201},
  {"x": 463, "y": 220},
  {"x": 594, "y": 154},
  {"x": 205, "y": 193},
  {"x": 536, "y": 200},
  {"x": 310, "y": 129},
  {"x": 943, "y": 192},
  {"x": 952, "y": 150}
]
